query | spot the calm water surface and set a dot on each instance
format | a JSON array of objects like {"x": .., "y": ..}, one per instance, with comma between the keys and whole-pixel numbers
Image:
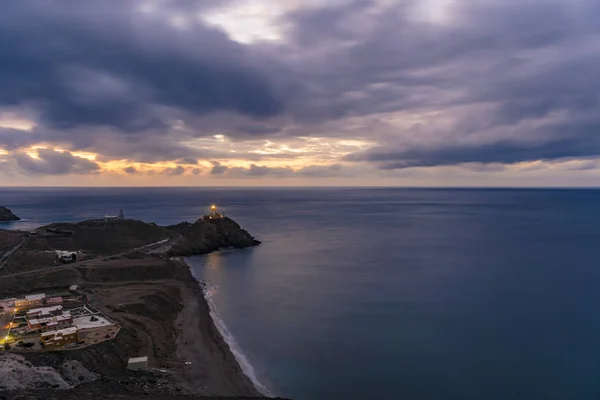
[{"x": 391, "y": 293}]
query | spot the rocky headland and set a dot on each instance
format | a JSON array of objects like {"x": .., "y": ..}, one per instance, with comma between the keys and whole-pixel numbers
[
  {"x": 7, "y": 215},
  {"x": 133, "y": 271}
]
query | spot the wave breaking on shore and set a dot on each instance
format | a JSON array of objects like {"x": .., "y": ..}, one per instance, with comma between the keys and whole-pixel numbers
[{"x": 235, "y": 348}]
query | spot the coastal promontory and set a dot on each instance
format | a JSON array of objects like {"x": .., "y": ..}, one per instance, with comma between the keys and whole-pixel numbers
[
  {"x": 7, "y": 215},
  {"x": 132, "y": 273}
]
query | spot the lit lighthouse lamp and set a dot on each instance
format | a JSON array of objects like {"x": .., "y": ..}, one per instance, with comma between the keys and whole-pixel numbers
[{"x": 213, "y": 213}]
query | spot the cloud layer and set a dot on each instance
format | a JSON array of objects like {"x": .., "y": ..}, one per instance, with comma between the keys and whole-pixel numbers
[{"x": 346, "y": 89}]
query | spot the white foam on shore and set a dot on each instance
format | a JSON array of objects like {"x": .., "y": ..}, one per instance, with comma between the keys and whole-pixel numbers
[{"x": 241, "y": 359}]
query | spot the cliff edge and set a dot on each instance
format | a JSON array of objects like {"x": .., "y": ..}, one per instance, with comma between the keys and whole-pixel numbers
[
  {"x": 6, "y": 215},
  {"x": 206, "y": 235}
]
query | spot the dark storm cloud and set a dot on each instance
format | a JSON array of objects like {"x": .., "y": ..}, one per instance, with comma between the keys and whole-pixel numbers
[
  {"x": 258, "y": 171},
  {"x": 188, "y": 160},
  {"x": 386, "y": 60},
  {"x": 218, "y": 169},
  {"x": 526, "y": 64},
  {"x": 254, "y": 171},
  {"x": 12, "y": 139},
  {"x": 582, "y": 142},
  {"x": 497, "y": 82},
  {"x": 50, "y": 162},
  {"x": 108, "y": 63},
  {"x": 179, "y": 170},
  {"x": 319, "y": 171}
]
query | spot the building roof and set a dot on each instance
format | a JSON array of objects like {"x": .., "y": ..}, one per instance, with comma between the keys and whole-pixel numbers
[
  {"x": 53, "y": 299},
  {"x": 33, "y": 297},
  {"x": 44, "y": 310},
  {"x": 87, "y": 323},
  {"x": 60, "y": 332},
  {"x": 137, "y": 360},
  {"x": 58, "y": 318},
  {"x": 66, "y": 331}
]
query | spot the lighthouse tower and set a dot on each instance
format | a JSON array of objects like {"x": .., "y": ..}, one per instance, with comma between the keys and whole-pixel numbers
[{"x": 214, "y": 214}]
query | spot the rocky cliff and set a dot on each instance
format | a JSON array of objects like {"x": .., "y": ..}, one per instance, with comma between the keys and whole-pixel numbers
[
  {"x": 206, "y": 235},
  {"x": 7, "y": 215}
]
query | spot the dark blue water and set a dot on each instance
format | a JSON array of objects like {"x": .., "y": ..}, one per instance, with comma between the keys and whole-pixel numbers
[{"x": 391, "y": 293}]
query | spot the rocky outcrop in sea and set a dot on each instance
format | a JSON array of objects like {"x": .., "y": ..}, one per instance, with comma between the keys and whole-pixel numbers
[
  {"x": 206, "y": 235},
  {"x": 7, "y": 215}
]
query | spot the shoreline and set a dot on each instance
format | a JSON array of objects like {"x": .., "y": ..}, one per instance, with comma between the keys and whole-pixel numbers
[
  {"x": 228, "y": 338},
  {"x": 225, "y": 368}
]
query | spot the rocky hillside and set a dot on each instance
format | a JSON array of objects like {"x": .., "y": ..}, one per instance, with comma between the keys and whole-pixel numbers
[
  {"x": 7, "y": 215},
  {"x": 206, "y": 235},
  {"x": 95, "y": 237}
]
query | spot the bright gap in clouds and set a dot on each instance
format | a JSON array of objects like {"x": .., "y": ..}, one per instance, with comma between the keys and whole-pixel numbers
[
  {"x": 433, "y": 11},
  {"x": 248, "y": 21},
  {"x": 9, "y": 121}
]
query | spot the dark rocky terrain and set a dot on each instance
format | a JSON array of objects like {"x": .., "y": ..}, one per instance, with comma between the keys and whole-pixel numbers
[
  {"x": 105, "y": 390},
  {"x": 7, "y": 215},
  {"x": 96, "y": 238},
  {"x": 205, "y": 236}
]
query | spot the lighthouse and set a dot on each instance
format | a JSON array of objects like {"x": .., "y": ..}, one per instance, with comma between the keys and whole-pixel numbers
[{"x": 214, "y": 214}]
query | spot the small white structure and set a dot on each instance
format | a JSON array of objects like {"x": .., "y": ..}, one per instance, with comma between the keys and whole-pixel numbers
[
  {"x": 73, "y": 288},
  {"x": 66, "y": 256},
  {"x": 138, "y": 363},
  {"x": 65, "y": 253}
]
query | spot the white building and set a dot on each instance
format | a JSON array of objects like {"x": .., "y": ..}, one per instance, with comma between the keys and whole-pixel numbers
[
  {"x": 138, "y": 363},
  {"x": 30, "y": 301},
  {"x": 50, "y": 323},
  {"x": 95, "y": 328},
  {"x": 92, "y": 322},
  {"x": 55, "y": 310}
]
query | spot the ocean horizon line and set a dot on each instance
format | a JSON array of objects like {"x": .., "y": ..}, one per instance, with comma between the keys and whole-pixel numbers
[{"x": 325, "y": 187}]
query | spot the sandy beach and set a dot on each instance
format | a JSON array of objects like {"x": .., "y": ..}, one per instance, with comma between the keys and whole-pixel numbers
[{"x": 211, "y": 357}]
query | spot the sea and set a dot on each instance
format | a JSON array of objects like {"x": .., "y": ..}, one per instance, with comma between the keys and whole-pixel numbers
[{"x": 384, "y": 293}]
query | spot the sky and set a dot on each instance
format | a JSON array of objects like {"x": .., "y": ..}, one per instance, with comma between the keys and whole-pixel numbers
[{"x": 300, "y": 92}]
